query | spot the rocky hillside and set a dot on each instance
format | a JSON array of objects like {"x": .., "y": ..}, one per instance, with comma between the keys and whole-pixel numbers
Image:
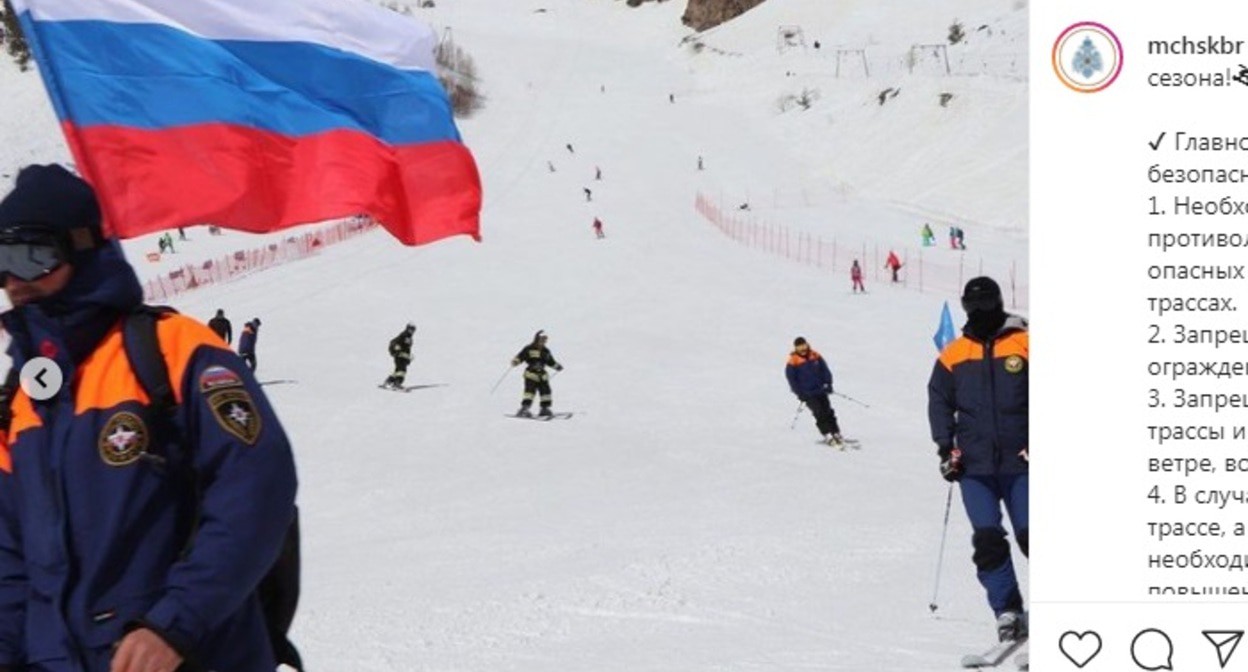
[{"x": 702, "y": 14}]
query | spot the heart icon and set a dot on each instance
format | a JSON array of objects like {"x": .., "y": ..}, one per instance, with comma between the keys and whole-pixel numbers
[{"x": 1079, "y": 647}]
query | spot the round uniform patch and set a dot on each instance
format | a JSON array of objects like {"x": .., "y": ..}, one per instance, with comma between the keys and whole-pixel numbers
[
  {"x": 1013, "y": 364},
  {"x": 123, "y": 440}
]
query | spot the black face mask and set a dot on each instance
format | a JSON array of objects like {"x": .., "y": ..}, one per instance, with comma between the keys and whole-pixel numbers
[{"x": 984, "y": 324}]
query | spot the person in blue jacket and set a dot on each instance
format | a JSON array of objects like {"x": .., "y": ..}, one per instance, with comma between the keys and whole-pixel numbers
[
  {"x": 977, "y": 408},
  {"x": 811, "y": 380},
  {"x": 128, "y": 543},
  {"x": 247, "y": 343}
]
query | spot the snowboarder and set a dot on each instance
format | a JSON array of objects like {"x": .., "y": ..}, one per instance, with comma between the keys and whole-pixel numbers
[
  {"x": 401, "y": 350},
  {"x": 929, "y": 238},
  {"x": 893, "y": 264},
  {"x": 536, "y": 357},
  {"x": 598, "y": 228},
  {"x": 855, "y": 274},
  {"x": 811, "y": 380},
  {"x": 977, "y": 408},
  {"x": 589, "y": 195},
  {"x": 247, "y": 343},
  {"x": 221, "y": 325}
]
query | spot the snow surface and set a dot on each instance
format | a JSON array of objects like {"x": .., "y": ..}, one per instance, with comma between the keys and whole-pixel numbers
[{"x": 677, "y": 522}]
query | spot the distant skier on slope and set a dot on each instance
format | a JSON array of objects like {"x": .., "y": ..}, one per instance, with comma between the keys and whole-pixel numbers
[
  {"x": 401, "y": 350},
  {"x": 221, "y": 325},
  {"x": 598, "y": 229},
  {"x": 855, "y": 276},
  {"x": 893, "y": 264},
  {"x": 247, "y": 343},
  {"x": 536, "y": 357},
  {"x": 977, "y": 407},
  {"x": 811, "y": 380}
]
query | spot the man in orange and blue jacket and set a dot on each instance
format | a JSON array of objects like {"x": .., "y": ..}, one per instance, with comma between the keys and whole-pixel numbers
[
  {"x": 810, "y": 380},
  {"x": 113, "y": 557},
  {"x": 977, "y": 407}
]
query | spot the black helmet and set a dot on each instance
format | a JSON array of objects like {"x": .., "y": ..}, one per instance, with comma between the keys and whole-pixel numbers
[{"x": 982, "y": 294}]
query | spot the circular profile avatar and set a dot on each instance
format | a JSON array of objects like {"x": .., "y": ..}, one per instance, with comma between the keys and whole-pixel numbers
[{"x": 1087, "y": 57}]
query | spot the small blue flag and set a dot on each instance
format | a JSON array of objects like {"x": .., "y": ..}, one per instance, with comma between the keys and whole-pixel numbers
[{"x": 944, "y": 333}]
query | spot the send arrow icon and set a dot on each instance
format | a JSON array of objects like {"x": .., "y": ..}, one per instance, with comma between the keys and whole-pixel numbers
[{"x": 1225, "y": 642}]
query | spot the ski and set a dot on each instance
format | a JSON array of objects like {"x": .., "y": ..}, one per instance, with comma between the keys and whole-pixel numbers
[
  {"x": 854, "y": 444},
  {"x": 994, "y": 656},
  {"x": 556, "y": 416},
  {"x": 409, "y": 388}
]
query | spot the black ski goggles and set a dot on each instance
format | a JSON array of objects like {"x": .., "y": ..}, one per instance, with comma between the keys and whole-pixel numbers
[
  {"x": 983, "y": 303},
  {"x": 30, "y": 252}
]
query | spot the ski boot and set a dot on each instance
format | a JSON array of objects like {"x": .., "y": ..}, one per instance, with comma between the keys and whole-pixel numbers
[
  {"x": 524, "y": 412},
  {"x": 545, "y": 413},
  {"x": 835, "y": 441},
  {"x": 1011, "y": 626}
]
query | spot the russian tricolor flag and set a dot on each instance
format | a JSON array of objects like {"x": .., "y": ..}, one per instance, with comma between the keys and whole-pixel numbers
[{"x": 255, "y": 114}]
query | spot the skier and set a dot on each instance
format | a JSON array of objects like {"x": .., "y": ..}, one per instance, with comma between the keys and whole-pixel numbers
[
  {"x": 893, "y": 264},
  {"x": 953, "y": 237},
  {"x": 221, "y": 325},
  {"x": 247, "y": 343},
  {"x": 811, "y": 380},
  {"x": 589, "y": 195},
  {"x": 597, "y": 173},
  {"x": 570, "y": 150},
  {"x": 929, "y": 238},
  {"x": 961, "y": 236},
  {"x": 598, "y": 228},
  {"x": 536, "y": 357},
  {"x": 699, "y": 163},
  {"x": 550, "y": 166},
  {"x": 977, "y": 408},
  {"x": 855, "y": 274},
  {"x": 401, "y": 351}
]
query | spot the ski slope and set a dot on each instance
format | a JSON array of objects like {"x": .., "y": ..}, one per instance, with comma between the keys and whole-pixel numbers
[{"x": 677, "y": 522}]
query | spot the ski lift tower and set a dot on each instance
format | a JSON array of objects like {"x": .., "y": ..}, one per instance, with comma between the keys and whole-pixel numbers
[{"x": 851, "y": 55}]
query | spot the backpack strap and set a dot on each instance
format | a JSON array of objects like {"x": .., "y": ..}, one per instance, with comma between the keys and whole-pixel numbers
[{"x": 142, "y": 345}]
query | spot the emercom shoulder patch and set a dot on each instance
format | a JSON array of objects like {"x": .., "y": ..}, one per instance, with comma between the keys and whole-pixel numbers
[{"x": 234, "y": 410}]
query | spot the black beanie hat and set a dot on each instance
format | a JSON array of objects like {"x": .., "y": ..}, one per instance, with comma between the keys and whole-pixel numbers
[
  {"x": 982, "y": 294},
  {"x": 799, "y": 341},
  {"x": 49, "y": 197}
]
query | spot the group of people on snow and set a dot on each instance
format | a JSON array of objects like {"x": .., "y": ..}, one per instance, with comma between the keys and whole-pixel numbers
[
  {"x": 978, "y": 416},
  {"x": 222, "y": 326}
]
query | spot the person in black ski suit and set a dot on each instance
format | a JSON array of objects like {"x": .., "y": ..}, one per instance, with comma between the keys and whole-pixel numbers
[
  {"x": 536, "y": 357},
  {"x": 221, "y": 325},
  {"x": 811, "y": 380},
  {"x": 401, "y": 351},
  {"x": 247, "y": 343}
]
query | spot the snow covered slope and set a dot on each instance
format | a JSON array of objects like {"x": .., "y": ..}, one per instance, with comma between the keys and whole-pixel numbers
[{"x": 677, "y": 522}]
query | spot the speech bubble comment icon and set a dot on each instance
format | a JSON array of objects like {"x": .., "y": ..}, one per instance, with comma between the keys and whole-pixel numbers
[
  {"x": 1079, "y": 647},
  {"x": 1152, "y": 650}
]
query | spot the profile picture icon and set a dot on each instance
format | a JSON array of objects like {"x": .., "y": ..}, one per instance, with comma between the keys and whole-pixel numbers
[{"x": 1087, "y": 57}]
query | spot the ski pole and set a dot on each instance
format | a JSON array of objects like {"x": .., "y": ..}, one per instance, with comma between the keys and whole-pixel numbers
[
  {"x": 793, "y": 425},
  {"x": 846, "y": 396},
  {"x": 940, "y": 557},
  {"x": 500, "y": 378}
]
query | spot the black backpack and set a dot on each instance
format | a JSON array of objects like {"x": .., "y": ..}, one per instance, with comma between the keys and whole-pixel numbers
[{"x": 279, "y": 589}]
